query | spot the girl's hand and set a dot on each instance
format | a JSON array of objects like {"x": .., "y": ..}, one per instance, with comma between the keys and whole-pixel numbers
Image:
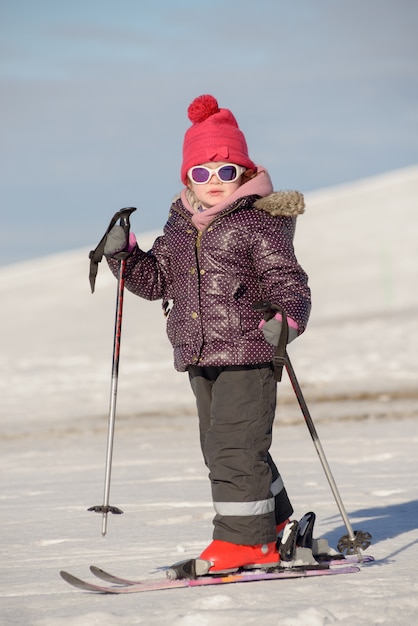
[
  {"x": 273, "y": 328},
  {"x": 117, "y": 241}
]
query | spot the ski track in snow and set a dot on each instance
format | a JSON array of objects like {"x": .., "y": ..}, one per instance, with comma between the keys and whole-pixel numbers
[{"x": 357, "y": 365}]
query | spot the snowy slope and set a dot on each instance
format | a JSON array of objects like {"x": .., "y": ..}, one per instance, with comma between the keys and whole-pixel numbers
[{"x": 357, "y": 364}]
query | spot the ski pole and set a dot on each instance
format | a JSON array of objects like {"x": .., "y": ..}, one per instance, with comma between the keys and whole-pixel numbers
[
  {"x": 353, "y": 541},
  {"x": 123, "y": 215}
]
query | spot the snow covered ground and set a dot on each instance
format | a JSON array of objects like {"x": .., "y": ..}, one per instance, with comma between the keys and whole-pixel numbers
[{"x": 357, "y": 364}]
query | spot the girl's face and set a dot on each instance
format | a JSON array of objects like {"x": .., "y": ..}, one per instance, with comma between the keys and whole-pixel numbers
[{"x": 214, "y": 191}]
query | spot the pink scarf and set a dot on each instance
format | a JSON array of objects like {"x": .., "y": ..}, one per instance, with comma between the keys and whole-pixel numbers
[{"x": 260, "y": 185}]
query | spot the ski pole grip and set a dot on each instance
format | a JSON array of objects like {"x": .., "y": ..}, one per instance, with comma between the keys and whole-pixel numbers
[
  {"x": 269, "y": 310},
  {"x": 264, "y": 307},
  {"x": 125, "y": 214},
  {"x": 124, "y": 222}
]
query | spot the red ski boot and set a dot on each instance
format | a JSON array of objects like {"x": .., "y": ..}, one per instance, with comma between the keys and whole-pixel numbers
[{"x": 225, "y": 556}]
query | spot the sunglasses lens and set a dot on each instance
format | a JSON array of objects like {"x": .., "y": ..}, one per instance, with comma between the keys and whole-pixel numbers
[
  {"x": 200, "y": 174},
  {"x": 228, "y": 173}
]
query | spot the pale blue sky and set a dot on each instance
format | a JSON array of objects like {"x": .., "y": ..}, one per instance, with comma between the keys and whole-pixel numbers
[{"x": 94, "y": 97}]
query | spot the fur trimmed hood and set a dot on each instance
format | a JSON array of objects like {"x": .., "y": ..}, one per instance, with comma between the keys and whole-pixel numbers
[
  {"x": 283, "y": 203},
  {"x": 279, "y": 203}
]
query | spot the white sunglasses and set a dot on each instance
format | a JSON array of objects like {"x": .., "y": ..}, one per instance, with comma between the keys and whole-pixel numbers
[{"x": 228, "y": 173}]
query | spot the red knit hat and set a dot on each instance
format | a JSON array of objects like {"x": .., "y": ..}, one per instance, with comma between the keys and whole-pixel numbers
[{"x": 214, "y": 136}]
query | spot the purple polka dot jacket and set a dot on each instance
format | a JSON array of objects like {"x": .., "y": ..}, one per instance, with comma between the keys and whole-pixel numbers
[{"x": 211, "y": 278}]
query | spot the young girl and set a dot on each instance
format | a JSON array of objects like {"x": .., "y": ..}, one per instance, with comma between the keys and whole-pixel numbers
[{"x": 227, "y": 243}]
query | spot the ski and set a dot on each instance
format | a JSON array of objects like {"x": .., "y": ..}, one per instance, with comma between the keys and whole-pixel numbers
[
  {"x": 240, "y": 577},
  {"x": 117, "y": 580},
  {"x": 111, "y": 578}
]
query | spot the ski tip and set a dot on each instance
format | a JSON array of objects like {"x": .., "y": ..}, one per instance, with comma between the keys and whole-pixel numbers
[
  {"x": 72, "y": 580},
  {"x": 69, "y": 578},
  {"x": 81, "y": 584}
]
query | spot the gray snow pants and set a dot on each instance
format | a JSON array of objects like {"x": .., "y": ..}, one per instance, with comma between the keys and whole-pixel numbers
[{"x": 236, "y": 407}]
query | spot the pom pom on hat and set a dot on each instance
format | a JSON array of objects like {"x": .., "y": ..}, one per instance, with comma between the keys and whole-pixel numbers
[
  {"x": 201, "y": 108},
  {"x": 213, "y": 136}
]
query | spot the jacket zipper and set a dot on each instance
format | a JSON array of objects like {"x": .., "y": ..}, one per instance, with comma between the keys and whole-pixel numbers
[{"x": 198, "y": 244}]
